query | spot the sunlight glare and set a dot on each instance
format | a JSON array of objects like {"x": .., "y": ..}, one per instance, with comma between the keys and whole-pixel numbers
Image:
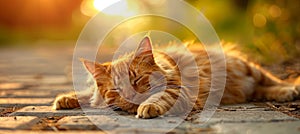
[
  {"x": 122, "y": 8},
  {"x": 102, "y": 4}
]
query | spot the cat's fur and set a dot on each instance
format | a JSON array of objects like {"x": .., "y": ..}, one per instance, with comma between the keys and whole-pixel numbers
[{"x": 245, "y": 81}]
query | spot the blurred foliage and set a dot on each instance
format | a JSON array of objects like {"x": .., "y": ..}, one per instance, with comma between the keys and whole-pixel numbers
[
  {"x": 267, "y": 29},
  {"x": 25, "y": 35},
  {"x": 25, "y": 21}
]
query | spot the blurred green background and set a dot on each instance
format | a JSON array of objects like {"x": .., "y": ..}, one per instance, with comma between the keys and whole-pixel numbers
[{"x": 269, "y": 30}]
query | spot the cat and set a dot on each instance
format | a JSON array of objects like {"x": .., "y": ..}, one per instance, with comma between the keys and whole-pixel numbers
[{"x": 245, "y": 82}]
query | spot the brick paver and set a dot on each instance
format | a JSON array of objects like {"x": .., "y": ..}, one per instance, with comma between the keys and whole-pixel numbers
[
  {"x": 250, "y": 116},
  {"x": 284, "y": 127},
  {"x": 17, "y": 122},
  {"x": 7, "y": 102},
  {"x": 52, "y": 132}
]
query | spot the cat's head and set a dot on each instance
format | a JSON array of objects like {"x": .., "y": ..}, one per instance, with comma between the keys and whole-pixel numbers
[{"x": 125, "y": 82}]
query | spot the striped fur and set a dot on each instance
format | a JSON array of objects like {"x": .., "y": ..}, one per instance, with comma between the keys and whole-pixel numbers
[{"x": 149, "y": 82}]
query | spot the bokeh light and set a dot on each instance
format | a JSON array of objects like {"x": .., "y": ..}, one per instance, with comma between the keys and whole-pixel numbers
[
  {"x": 259, "y": 20},
  {"x": 275, "y": 11}
]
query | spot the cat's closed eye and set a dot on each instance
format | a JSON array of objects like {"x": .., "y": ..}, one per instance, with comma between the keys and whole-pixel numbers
[
  {"x": 116, "y": 89},
  {"x": 137, "y": 80}
]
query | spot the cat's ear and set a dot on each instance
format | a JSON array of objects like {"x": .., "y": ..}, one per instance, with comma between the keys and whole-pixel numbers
[
  {"x": 92, "y": 67},
  {"x": 145, "y": 48}
]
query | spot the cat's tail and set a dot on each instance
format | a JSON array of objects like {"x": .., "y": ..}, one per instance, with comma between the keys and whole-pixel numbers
[{"x": 269, "y": 87}]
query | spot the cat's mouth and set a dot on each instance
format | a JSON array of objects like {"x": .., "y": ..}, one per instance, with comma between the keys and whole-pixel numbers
[{"x": 114, "y": 108}]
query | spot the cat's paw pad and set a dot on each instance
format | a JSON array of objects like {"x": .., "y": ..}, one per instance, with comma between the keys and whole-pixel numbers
[
  {"x": 65, "y": 102},
  {"x": 150, "y": 110}
]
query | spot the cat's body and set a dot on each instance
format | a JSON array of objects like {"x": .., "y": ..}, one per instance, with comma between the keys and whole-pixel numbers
[{"x": 142, "y": 91}]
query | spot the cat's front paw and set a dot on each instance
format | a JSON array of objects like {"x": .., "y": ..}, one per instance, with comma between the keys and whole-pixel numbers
[
  {"x": 286, "y": 93},
  {"x": 149, "y": 110},
  {"x": 65, "y": 102},
  {"x": 298, "y": 90}
]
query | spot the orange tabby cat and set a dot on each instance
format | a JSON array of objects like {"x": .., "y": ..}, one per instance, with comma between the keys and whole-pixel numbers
[{"x": 245, "y": 81}]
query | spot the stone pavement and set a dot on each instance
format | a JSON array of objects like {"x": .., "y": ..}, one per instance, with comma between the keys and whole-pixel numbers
[{"x": 29, "y": 83}]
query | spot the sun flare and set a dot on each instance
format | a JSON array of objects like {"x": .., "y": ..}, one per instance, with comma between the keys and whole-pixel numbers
[{"x": 102, "y": 4}]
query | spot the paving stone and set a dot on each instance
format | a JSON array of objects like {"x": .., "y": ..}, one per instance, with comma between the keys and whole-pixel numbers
[
  {"x": 163, "y": 123},
  {"x": 10, "y": 102},
  {"x": 22, "y": 78},
  {"x": 40, "y": 79},
  {"x": 243, "y": 107},
  {"x": 46, "y": 111},
  {"x": 37, "y": 92},
  {"x": 118, "y": 123},
  {"x": 4, "y": 78},
  {"x": 2, "y": 109},
  {"x": 147, "y": 131},
  {"x": 188, "y": 127},
  {"x": 51, "y": 132},
  {"x": 291, "y": 127},
  {"x": 55, "y": 79},
  {"x": 66, "y": 87},
  {"x": 27, "y": 94},
  {"x": 107, "y": 120},
  {"x": 76, "y": 123},
  {"x": 249, "y": 116},
  {"x": 11, "y": 86},
  {"x": 17, "y": 122}
]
